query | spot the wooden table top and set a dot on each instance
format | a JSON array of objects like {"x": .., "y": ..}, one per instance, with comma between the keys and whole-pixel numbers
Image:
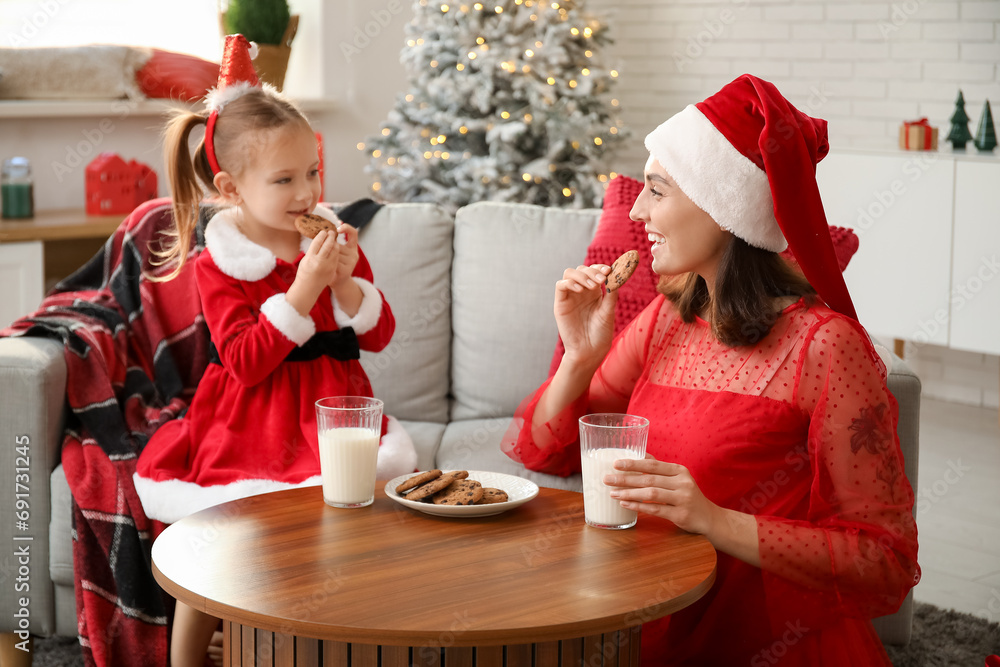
[{"x": 386, "y": 574}]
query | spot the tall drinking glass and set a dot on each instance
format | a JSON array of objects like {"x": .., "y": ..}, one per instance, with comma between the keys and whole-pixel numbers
[
  {"x": 605, "y": 438},
  {"x": 348, "y": 429}
]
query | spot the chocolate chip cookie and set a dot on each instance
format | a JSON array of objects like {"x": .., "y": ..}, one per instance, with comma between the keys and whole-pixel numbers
[
  {"x": 310, "y": 224},
  {"x": 622, "y": 269}
]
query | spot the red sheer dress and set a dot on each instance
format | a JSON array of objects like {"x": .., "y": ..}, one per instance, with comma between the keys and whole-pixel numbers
[{"x": 798, "y": 430}]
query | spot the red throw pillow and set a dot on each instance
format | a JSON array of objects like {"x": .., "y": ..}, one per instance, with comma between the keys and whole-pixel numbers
[
  {"x": 615, "y": 235},
  {"x": 177, "y": 76}
]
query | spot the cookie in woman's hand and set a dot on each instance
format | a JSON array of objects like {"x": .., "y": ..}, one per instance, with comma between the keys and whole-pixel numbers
[
  {"x": 622, "y": 269},
  {"x": 310, "y": 224}
]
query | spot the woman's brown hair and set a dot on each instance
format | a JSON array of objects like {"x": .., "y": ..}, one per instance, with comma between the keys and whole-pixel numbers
[
  {"x": 747, "y": 283},
  {"x": 191, "y": 178}
]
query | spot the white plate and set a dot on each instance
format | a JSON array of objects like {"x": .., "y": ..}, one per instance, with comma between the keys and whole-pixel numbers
[{"x": 519, "y": 491}]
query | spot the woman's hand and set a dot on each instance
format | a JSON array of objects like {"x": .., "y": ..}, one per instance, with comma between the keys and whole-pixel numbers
[
  {"x": 584, "y": 314},
  {"x": 317, "y": 269},
  {"x": 668, "y": 490}
]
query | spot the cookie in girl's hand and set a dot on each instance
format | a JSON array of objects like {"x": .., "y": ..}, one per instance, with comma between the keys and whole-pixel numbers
[
  {"x": 310, "y": 224},
  {"x": 622, "y": 269}
]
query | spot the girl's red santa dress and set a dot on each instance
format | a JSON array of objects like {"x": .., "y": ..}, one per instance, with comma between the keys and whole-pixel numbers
[{"x": 251, "y": 426}]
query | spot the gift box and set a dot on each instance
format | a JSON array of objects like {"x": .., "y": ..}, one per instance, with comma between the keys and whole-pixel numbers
[
  {"x": 918, "y": 135},
  {"x": 115, "y": 186}
]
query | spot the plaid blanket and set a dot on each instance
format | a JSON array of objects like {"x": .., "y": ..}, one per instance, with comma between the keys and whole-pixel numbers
[{"x": 135, "y": 350}]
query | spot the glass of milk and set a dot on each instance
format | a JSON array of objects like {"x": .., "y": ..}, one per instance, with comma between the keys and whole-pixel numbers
[
  {"x": 605, "y": 438},
  {"x": 349, "y": 429}
]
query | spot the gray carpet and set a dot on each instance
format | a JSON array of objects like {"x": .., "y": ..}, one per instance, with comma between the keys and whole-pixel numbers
[{"x": 941, "y": 638}]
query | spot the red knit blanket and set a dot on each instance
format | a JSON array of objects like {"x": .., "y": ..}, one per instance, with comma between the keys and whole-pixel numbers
[{"x": 134, "y": 351}]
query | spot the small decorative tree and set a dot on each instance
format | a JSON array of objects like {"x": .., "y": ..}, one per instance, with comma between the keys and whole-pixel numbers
[
  {"x": 959, "y": 134},
  {"x": 509, "y": 100},
  {"x": 986, "y": 135},
  {"x": 260, "y": 21}
]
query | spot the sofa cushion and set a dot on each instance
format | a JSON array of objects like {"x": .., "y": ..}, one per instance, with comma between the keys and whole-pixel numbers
[
  {"x": 474, "y": 444},
  {"x": 426, "y": 440},
  {"x": 409, "y": 248},
  {"x": 61, "y": 529},
  {"x": 508, "y": 258}
]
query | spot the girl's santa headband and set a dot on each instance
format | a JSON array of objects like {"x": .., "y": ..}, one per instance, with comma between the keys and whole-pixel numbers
[{"x": 236, "y": 78}]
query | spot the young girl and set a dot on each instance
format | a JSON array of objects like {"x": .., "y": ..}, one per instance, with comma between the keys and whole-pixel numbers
[
  {"x": 771, "y": 430},
  {"x": 287, "y": 317}
]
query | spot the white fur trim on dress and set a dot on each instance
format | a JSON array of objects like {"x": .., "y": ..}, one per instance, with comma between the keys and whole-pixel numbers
[
  {"x": 717, "y": 178},
  {"x": 367, "y": 315},
  {"x": 295, "y": 326},
  {"x": 396, "y": 453},
  {"x": 236, "y": 255},
  {"x": 171, "y": 500}
]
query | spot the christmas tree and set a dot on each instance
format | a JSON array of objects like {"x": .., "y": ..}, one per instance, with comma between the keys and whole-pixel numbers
[
  {"x": 959, "y": 134},
  {"x": 986, "y": 135},
  {"x": 509, "y": 100}
]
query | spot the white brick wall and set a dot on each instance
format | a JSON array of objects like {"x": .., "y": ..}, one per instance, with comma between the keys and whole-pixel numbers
[
  {"x": 882, "y": 62},
  {"x": 863, "y": 66}
]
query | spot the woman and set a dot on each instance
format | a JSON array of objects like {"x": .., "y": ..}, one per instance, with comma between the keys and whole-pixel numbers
[{"x": 772, "y": 432}]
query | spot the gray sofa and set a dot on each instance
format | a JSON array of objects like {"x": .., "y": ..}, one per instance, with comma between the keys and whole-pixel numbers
[{"x": 472, "y": 295}]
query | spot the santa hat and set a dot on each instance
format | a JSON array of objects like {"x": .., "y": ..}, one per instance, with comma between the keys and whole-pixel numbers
[
  {"x": 236, "y": 77},
  {"x": 747, "y": 157}
]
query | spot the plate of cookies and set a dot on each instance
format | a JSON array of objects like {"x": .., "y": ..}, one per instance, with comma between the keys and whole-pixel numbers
[{"x": 460, "y": 493}]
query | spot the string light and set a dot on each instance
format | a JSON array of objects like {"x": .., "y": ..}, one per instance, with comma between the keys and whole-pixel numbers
[
  {"x": 603, "y": 178},
  {"x": 391, "y": 161},
  {"x": 427, "y": 155},
  {"x": 526, "y": 176},
  {"x": 463, "y": 130},
  {"x": 361, "y": 146},
  {"x": 505, "y": 115},
  {"x": 550, "y": 81},
  {"x": 588, "y": 53},
  {"x": 478, "y": 6},
  {"x": 459, "y": 67},
  {"x": 567, "y": 192},
  {"x": 615, "y": 102},
  {"x": 472, "y": 55},
  {"x": 411, "y": 43},
  {"x": 574, "y": 31},
  {"x": 572, "y": 83},
  {"x": 538, "y": 45},
  {"x": 480, "y": 40},
  {"x": 612, "y": 174},
  {"x": 527, "y": 118},
  {"x": 434, "y": 63},
  {"x": 528, "y": 53},
  {"x": 420, "y": 41},
  {"x": 533, "y": 17},
  {"x": 498, "y": 9},
  {"x": 444, "y": 9},
  {"x": 445, "y": 155},
  {"x": 376, "y": 186},
  {"x": 526, "y": 69},
  {"x": 552, "y": 168},
  {"x": 587, "y": 32},
  {"x": 376, "y": 153},
  {"x": 613, "y": 130},
  {"x": 585, "y": 72},
  {"x": 614, "y": 74},
  {"x": 598, "y": 141},
  {"x": 575, "y": 144},
  {"x": 505, "y": 180}
]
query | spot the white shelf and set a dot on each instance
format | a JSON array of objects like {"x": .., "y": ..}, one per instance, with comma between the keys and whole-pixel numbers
[{"x": 14, "y": 109}]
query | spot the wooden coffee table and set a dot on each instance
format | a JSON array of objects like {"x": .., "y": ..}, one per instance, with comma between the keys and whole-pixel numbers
[{"x": 299, "y": 583}]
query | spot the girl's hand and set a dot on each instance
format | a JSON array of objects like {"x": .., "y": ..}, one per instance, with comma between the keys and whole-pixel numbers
[
  {"x": 584, "y": 314},
  {"x": 317, "y": 269},
  {"x": 666, "y": 490},
  {"x": 347, "y": 257}
]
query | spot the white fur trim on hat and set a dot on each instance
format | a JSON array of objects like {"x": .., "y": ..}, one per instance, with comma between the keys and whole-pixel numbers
[
  {"x": 236, "y": 255},
  {"x": 171, "y": 500},
  {"x": 396, "y": 453},
  {"x": 217, "y": 98},
  {"x": 717, "y": 178},
  {"x": 295, "y": 326},
  {"x": 367, "y": 315}
]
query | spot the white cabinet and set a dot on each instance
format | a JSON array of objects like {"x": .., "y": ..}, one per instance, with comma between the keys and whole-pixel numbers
[
  {"x": 20, "y": 279},
  {"x": 975, "y": 274},
  {"x": 929, "y": 228}
]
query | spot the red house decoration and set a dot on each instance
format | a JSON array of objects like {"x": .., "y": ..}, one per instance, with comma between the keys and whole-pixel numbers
[{"x": 116, "y": 186}]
